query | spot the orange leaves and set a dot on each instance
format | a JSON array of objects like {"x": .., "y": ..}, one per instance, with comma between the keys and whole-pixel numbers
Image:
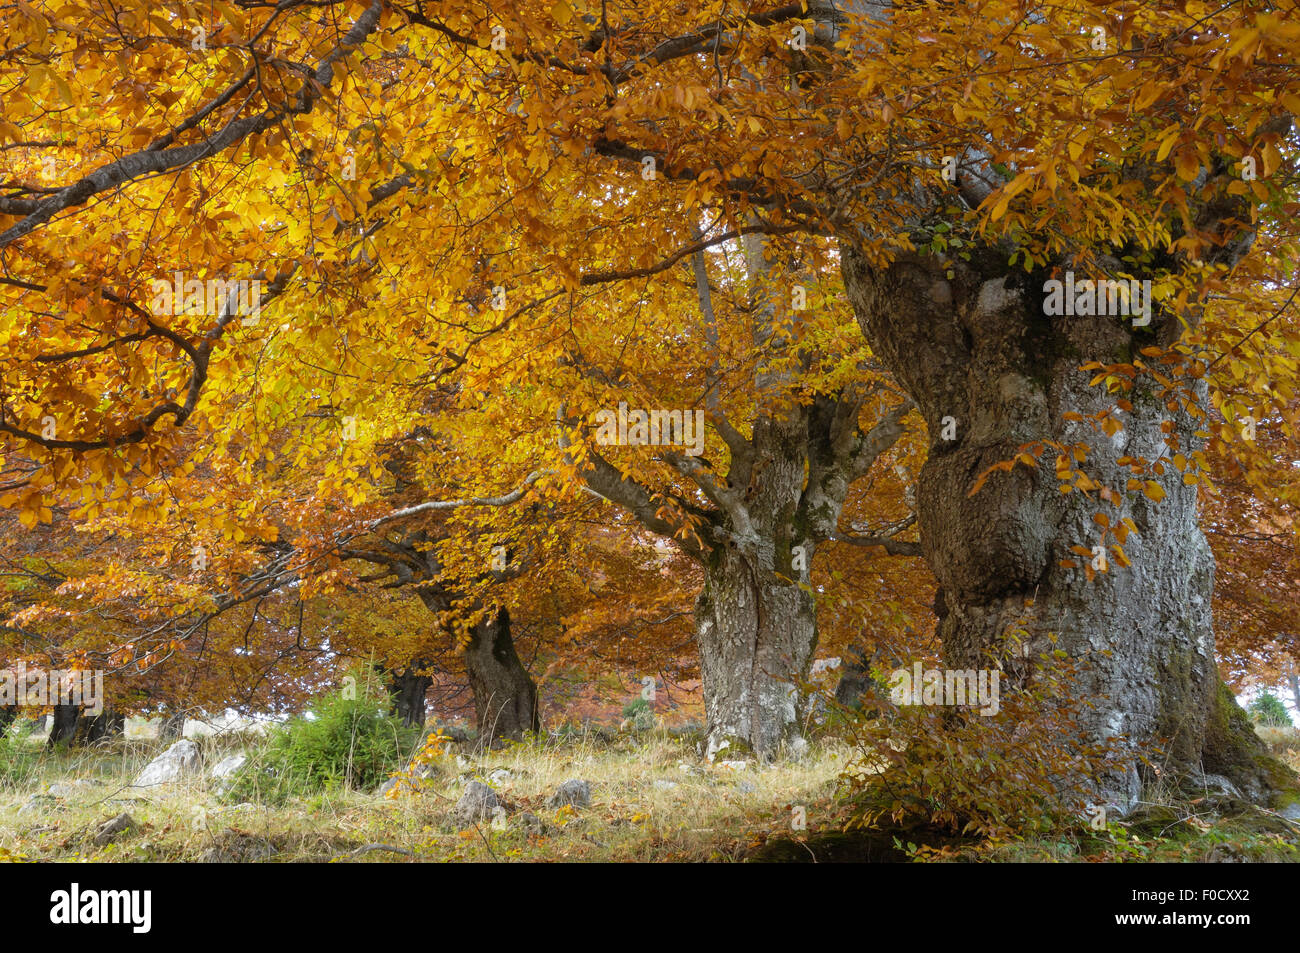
[
  {"x": 1187, "y": 163},
  {"x": 1028, "y": 456}
]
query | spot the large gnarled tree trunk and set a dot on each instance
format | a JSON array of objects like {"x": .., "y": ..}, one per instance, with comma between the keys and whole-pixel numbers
[
  {"x": 93, "y": 729},
  {"x": 780, "y": 496},
  {"x": 755, "y": 625},
  {"x": 755, "y": 619},
  {"x": 505, "y": 696},
  {"x": 977, "y": 348}
]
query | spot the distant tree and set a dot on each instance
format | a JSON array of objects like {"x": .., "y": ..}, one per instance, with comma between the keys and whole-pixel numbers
[{"x": 1268, "y": 709}]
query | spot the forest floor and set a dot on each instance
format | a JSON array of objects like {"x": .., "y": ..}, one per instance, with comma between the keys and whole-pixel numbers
[{"x": 651, "y": 800}]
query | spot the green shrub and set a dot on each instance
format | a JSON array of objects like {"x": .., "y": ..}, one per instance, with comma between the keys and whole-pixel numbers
[
  {"x": 341, "y": 743},
  {"x": 635, "y": 707},
  {"x": 1268, "y": 709},
  {"x": 19, "y": 760}
]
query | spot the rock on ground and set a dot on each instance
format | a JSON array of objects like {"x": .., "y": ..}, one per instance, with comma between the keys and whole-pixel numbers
[
  {"x": 180, "y": 759},
  {"x": 478, "y": 803},
  {"x": 223, "y": 774},
  {"x": 228, "y": 766},
  {"x": 531, "y": 823},
  {"x": 575, "y": 792},
  {"x": 112, "y": 827}
]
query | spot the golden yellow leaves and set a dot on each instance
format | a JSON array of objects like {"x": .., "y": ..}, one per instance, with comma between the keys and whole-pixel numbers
[
  {"x": 1272, "y": 158},
  {"x": 1150, "y": 489},
  {"x": 561, "y": 12},
  {"x": 32, "y": 510},
  {"x": 1004, "y": 196}
]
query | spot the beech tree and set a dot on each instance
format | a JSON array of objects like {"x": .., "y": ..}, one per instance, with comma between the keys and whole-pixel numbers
[{"x": 1061, "y": 231}]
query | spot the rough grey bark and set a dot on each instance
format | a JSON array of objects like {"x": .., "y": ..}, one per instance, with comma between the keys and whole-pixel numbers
[
  {"x": 756, "y": 626},
  {"x": 977, "y": 348},
  {"x": 63, "y": 725},
  {"x": 780, "y": 498},
  {"x": 408, "y": 689},
  {"x": 505, "y": 696}
]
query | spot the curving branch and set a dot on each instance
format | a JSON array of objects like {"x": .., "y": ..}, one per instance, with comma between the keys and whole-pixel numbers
[{"x": 156, "y": 161}]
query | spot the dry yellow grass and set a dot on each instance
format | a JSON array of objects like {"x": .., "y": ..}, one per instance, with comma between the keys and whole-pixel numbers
[{"x": 652, "y": 799}]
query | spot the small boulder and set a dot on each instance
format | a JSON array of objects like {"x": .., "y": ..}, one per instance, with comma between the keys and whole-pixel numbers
[
  {"x": 454, "y": 733},
  {"x": 746, "y": 787},
  {"x": 575, "y": 792},
  {"x": 180, "y": 759},
  {"x": 223, "y": 774},
  {"x": 228, "y": 766},
  {"x": 392, "y": 784},
  {"x": 662, "y": 785},
  {"x": 111, "y": 828},
  {"x": 478, "y": 803}
]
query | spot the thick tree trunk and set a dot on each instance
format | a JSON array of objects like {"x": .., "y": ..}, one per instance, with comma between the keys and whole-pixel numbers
[
  {"x": 63, "y": 726},
  {"x": 7, "y": 715},
  {"x": 756, "y": 634},
  {"x": 782, "y": 495},
  {"x": 505, "y": 697},
  {"x": 976, "y": 353},
  {"x": 856, "y": 678},
  {"x": 408, "y": 689},
  {"x": 107, "y": 724},
  {"x": 755, "y": 625}
]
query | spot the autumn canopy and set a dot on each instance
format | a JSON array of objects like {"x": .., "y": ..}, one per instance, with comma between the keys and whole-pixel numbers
[{"x": 692, "y": 334}]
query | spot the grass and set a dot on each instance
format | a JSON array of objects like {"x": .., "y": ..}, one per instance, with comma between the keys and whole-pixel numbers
[
  {"x": 694, "y": 813},
  {"x": 704, "y": 815}
]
